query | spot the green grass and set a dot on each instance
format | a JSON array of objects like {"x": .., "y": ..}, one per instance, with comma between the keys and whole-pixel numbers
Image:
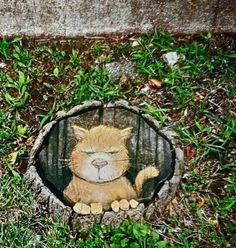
[
  {"x": 196, "y": 99},
  {"x": 21, "y": 225},
  {"x": 19, "y": 85},
  {"x": 94, "y": 84}
]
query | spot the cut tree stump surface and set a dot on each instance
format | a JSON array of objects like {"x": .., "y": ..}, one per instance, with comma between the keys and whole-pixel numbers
[{"x": 49, "y": 173}]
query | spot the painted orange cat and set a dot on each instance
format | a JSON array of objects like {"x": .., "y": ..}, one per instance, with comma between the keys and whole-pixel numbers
[{"x": 98, "y": 163}]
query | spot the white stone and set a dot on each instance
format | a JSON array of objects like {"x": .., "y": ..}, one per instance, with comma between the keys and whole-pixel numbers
[
  {"x": 135, "y": 43},
  {"x": 146, "y": 89},
  {"x": 2, "y": 65},
  {"x": 171, "y": 58}
]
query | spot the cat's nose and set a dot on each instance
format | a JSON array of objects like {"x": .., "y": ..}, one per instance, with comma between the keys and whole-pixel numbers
[{"x": 99, "y": 163}]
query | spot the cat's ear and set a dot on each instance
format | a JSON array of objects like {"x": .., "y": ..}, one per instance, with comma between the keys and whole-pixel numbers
[
  {"x": 80, "y": 133},
  {"x": 126, "y": 133}
]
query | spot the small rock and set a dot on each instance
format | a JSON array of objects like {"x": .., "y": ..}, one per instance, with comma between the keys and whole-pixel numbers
[
  {"x": 117, "y": 69},
  {"x": 96, "y": 208},
  {"x": 115, "y": 206},
  {"x": 133, "y": 203},
  {"x": 81, "y": 208},
  {"x": 124, "y": 204},
  {"x": 124, "y": 79},
  {"x": 101, "y": 59},
  {"x": 135, "y": 43},
  {"x": 146, "y": 89},
  {"x": 171, "y": 58},
  {"x": 2, "y": 65}
]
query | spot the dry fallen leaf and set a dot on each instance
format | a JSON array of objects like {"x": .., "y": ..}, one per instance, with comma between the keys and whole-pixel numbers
[
  {"x": 30, "y": 141},
  {"x": 2, "y": 170},
  {"x": 213, "y": 221},
  {"x": 117, "y": 38},
  {"x": 197, "y": 97},
  {"x": 154, "y": 83},
  {"x": 201, "y": 201},
  {"x": 124, "y": 79},
  {"x": 12, "y": 157},
  {"x": 190, "y": 152},
  {"x": 173, "y": 207},
  {"x": 233, "y": 114}
]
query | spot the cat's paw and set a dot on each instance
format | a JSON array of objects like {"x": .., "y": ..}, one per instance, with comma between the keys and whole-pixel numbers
[
  {"x": 133, "y": 203},
  {"x": 96, "y": 208},
  {"x": 122, "y": 204},
  {"x": 151, "y": 171},
  {"x": 81, "y": 208},
  {"x": 115, "y": 206}
]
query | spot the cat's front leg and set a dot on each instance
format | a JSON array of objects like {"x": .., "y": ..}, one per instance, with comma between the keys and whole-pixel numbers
[{"x": 71, "y": 193}]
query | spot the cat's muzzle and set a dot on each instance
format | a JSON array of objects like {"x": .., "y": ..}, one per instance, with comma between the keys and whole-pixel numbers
[{"x": 99, "y": 163}]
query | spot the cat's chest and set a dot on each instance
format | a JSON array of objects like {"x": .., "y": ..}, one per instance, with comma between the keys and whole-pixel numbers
[{"x": 119, "y": 188}]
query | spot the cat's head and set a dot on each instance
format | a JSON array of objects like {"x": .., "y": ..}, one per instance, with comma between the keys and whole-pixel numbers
[{"x": 100, "y": 154}]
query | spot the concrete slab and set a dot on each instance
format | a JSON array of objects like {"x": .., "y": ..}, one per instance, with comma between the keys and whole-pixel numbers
[{"x": 95, "y": 17}]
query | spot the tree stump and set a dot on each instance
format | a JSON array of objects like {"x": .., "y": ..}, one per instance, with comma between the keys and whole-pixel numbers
[{"x": 50, "y": 171}]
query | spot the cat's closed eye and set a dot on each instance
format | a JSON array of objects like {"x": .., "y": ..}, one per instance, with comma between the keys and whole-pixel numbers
[
  {"x": 93, "y": 152},
  {"x": 113, "y": 152},
  {"x": 88, "y": 152}
]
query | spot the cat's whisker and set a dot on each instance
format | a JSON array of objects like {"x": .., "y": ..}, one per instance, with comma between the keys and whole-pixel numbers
[
  {"x": 129, "y": 159},
  {"x": 64, "y": 159},
  {"x": 61, "y": 165},
  {"x": 119, "y": 160}
]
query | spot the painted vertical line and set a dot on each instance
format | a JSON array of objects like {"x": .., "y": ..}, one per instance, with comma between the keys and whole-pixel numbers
[
  {"x": 55, "y": 156},
  {"x": 168, "y": 157},
  {"x": 100, "y": 114},
  {"x": 137, "y": 141},
  {"x": 52, "y": 144},
  {"x": 43, "y": 159},
  {"x": 150, "y": 157},
  {"x": 66, "y": 141},
  {"x": 60, "y": 148},
  {"x": 48, "y": 170},
  {"x": 156, "y": 151},
  {"x": 65, "y": 155},
  {"x": 166, "y": 160},
  {"x": 46, "y": 153},
  {"x": 114, "y": 118}
]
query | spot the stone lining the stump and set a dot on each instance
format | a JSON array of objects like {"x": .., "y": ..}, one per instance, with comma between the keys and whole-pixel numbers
[{"x": 46, "y": 200}]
